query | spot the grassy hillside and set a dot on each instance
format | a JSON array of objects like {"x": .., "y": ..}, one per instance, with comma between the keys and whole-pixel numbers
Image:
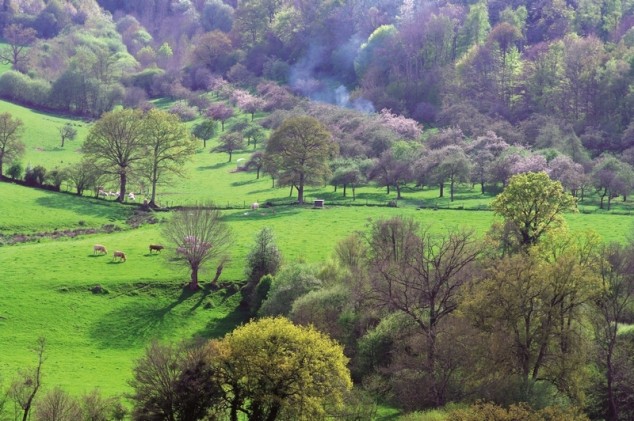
[
  {"x": 43, "y": 144},
  {"x": 28, "y": 211}
]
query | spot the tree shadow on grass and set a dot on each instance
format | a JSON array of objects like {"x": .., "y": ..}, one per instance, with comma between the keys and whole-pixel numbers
[
  {"x": 138, "y": 322},
  {"x": 80, "y": 206},
  {"x": 213, "y": 167},
  {"x": 245, "y": 182},
  {"x": 263, "y": 213},
  {"x": 220, "y": 326}
]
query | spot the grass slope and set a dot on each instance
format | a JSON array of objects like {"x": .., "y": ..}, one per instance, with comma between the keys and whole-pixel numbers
[
  {"x": 41, "y": 136},
  {"x": 24, "y": 210}
]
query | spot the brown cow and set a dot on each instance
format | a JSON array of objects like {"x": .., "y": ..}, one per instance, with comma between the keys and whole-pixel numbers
[
  {"x": 98, "y": 248},
  {"x": 120, "y": 255},
  {"x": 156, "y": 247}
]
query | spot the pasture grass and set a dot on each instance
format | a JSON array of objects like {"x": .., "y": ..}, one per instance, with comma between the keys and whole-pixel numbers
[
  {"x": 25, "y": 210},
  {"x": 41, "y": 137}
]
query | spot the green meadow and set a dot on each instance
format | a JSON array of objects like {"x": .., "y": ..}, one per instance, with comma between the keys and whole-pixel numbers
[{"x": 98, "y": 315}]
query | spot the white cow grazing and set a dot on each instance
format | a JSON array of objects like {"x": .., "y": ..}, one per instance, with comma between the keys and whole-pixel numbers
[
  {"x": 103, "y": 193},
  {"x": 255, "y": 205},
  {"x": 131, "y": 196}
]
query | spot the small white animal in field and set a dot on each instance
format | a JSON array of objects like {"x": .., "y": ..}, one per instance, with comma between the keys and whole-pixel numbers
[{"x": 255, "y": 205}]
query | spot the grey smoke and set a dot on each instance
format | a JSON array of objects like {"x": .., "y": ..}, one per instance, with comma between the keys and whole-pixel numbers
[{"x": 305, "y": 80}]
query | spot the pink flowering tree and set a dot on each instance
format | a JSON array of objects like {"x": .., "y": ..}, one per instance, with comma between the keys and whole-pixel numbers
[
  {"x": 405, "y": 127},
  {"x": 220, "y": 112}
]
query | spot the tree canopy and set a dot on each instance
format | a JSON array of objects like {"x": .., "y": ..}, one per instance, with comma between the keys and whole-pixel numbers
[
  {"x": 533, "y": 203},
  {"x": 303, "y": 146}
]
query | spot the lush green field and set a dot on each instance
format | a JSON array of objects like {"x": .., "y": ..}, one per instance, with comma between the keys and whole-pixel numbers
[
  {"x": 28, "y": 211},
  {"x": 45, "y": 286},
  {"x": 41, "y": 136}
]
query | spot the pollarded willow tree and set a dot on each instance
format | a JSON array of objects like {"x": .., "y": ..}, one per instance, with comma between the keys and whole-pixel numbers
[
  {"x": 533, "y": 204},
  {"x": 303, "y": 146},
  {"x": 198, "y": 236},
  {"x": 168, "y": 146},
  {"x": 115, "y": 143}
]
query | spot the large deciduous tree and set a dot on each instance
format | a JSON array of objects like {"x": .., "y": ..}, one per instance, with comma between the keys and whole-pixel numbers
[
  {"x": 11, "y": 145},
  {"x": 304, "y": 146},
  {"x": 198, "y": 236},
  {"x": 18, "y": 38},
  {"x": 271, "y": 369},
  {"x": 532, "y": 308},
  {"x": 174, "y": 382},
  {"x": 533, "y": 203},
  {"x": 116, "y": 143},
  {"x": 168, "y": 146},
  {"x": 616, "y": 296},
  {"x": 420, "y": 275}
]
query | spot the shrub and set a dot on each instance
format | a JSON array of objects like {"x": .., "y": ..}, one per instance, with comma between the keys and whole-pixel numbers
[
  {"x": 184, "y": 111},
  {"x": 15, "y": 170},
  {"x": 292, "y": 282},
  {"x": 35, "y": 176}
]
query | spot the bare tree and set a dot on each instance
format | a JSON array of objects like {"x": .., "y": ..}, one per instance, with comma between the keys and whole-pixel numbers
[
  {"x": 25, "y": 387},
  {"x": 420, "y": 275},
  {"x": 18, "y": 37},
  {"x": 617, "y": 295},
  {"x": 174, "y": 382},
  {"x": 59, "y": 406},
  {"x": 199, "y": 236}
]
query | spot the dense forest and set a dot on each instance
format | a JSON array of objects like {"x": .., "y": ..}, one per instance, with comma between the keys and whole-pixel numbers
[{"x": 405, "y": 92}]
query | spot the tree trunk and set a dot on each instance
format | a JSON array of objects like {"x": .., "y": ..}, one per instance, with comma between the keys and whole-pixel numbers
[
  {"x": 609, "y": 201},
  {"x": 442, "y": 190},
  {"x": 193, "y": 284},
  {"x": 258, "y": 173},
  {"x": 451, "y": 190},
  {"x": 123, "y": 181},
  {"x": 353, "y": 193},
  {"x": 300, "y": 190},
  {"x": 613, "y": 412},
  {"x": 482, "y": 186},
  {"x": 230, "y": 153},
  {"x": 344, "y": 189},
  {"x": 398, "y": 191},
  {"x": 154, "y": 181}
]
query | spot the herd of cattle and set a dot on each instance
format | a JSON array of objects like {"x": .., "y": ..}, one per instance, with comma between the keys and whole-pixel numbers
[{"x": 118, "y": 254}]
